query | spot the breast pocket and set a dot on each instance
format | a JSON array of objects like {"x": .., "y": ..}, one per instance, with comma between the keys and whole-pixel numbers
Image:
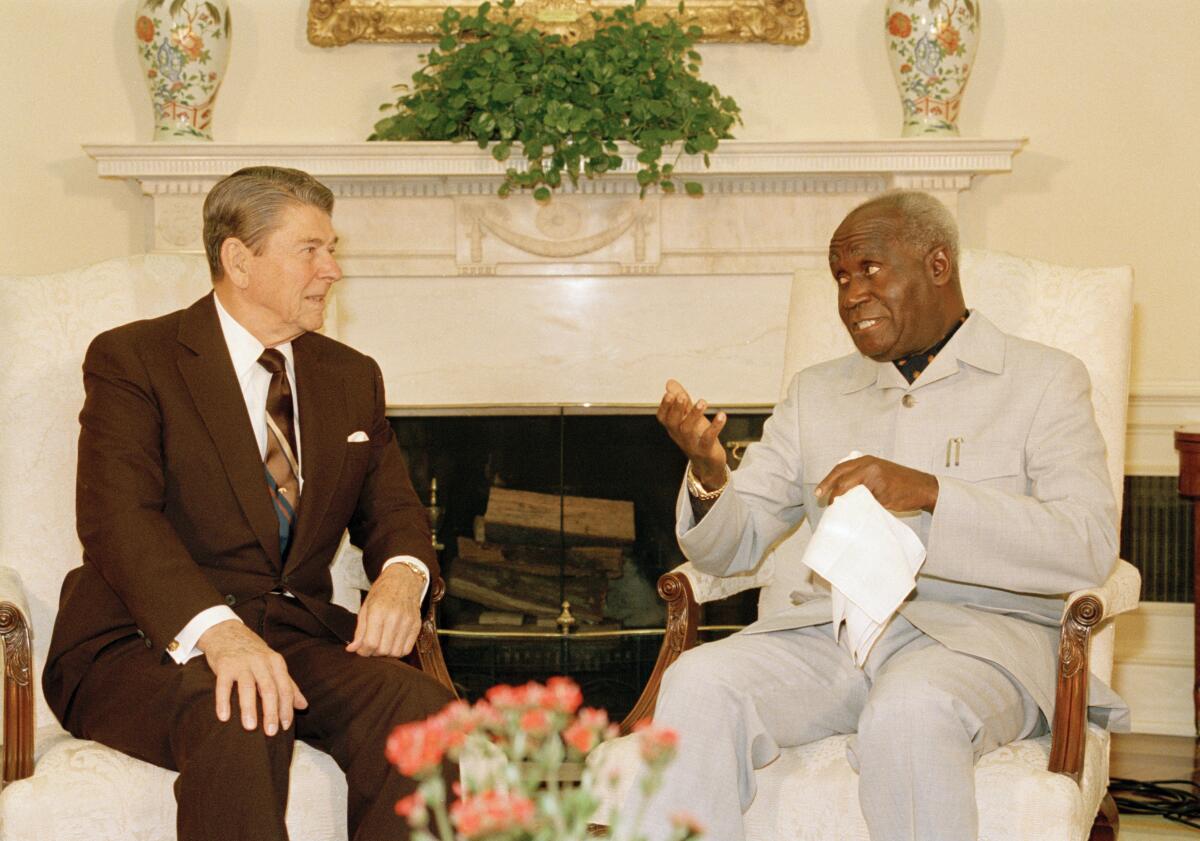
[{"x": 981, "y": 461}]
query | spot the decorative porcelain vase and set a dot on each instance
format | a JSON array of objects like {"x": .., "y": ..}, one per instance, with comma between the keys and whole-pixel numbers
[
  {"x": 931, "y": 44},
  {"x": 184, "y": 46}
]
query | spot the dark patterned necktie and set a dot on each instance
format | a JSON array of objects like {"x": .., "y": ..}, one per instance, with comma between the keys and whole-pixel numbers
[{"x": 282, "y": 469}]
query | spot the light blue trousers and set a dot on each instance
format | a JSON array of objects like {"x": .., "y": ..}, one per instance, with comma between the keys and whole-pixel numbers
[{"x": 922, "y": 715}]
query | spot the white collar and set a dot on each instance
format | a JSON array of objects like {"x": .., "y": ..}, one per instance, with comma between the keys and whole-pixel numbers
[{"x": 244, "y": 349}]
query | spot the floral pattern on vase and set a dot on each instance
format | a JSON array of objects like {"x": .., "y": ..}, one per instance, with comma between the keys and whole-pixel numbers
[
  {"x": 931, "y": 45},
  {"x": 184, "y": 47}
]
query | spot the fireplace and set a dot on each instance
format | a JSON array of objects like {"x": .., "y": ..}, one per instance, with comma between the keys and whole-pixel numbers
[{"x": 566, "y": 582}]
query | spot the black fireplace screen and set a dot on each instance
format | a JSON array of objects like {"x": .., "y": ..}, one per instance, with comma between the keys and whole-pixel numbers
[{"x": 554, "y": 528}]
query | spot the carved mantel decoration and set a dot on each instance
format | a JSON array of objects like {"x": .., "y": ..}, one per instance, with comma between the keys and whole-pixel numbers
[
  {"x": 334, "y": 23},
  {"x": 416, "y": 209}
]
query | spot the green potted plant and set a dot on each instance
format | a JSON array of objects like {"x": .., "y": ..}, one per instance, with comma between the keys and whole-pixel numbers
[{"x": 565, "y": 106}]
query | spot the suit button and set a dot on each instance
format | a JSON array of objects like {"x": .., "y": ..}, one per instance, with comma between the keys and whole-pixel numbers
[
  {"x": 141, "y": 633},
  {"x": 149, "y": 644},
  {"x": 908, "y": 401},
  {"x": 231, "y": 600}
]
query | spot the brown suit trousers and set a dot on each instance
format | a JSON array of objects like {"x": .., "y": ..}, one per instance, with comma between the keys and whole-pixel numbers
[{"x": 233, "y": 784}]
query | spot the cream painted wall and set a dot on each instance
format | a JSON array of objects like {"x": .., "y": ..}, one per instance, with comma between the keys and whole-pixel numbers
[{"x": 1108, "y": 91}]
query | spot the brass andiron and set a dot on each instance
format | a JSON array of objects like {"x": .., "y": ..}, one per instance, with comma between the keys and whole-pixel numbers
[
  {"x": 436, "y": 512},
  {"x": 737, "y": 449},
  {"x": 565, "y": 620}
]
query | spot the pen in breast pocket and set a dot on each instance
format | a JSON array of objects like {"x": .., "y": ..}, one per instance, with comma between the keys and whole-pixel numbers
[{"x": 955, "y": 445}]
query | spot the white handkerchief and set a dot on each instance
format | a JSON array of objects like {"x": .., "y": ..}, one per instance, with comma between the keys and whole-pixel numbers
[
  {"x": 870, "y": 560},
  {"x": 357, "y": 437}
]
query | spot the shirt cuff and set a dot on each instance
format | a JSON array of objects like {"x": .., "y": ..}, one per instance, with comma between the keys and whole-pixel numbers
[
  {"x": 415, "y": 565},
  {"x": 183, "y": 647}
]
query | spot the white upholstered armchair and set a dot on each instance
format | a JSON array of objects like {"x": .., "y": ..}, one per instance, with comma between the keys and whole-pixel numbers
[
  {"x": 1052, "y": 788},
  {"x": 54, "y": 786}
]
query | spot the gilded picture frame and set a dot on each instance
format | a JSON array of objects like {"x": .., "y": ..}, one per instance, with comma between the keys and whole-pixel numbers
[{"x": 334, "y": 23}]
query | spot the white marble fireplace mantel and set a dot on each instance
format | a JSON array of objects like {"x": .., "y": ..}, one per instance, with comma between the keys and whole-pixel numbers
[{"x": 594, "y": 297}]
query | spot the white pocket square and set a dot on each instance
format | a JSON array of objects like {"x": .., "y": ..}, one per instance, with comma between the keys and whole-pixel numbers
[{"x": 357, "y": 437}]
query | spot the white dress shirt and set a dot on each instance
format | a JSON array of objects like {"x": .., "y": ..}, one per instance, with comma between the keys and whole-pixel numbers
[{"x": 255, "y": 380}]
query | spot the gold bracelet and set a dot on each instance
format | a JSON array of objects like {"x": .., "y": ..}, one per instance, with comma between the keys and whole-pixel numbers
[{"x": 697, "y": 490}]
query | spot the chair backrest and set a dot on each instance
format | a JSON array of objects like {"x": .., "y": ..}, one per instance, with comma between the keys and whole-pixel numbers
[
  {"x": 46, "y": 324},
  {"x": 1086, "y": 312}
]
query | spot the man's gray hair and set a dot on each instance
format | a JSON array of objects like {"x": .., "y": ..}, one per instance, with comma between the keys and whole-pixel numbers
[
  {"x": 247, "y": 205},
  {"x": 927, "y": 222}
]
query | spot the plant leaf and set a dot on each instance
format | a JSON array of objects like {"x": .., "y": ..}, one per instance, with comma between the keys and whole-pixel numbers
[{"x": 496, "y": 80}]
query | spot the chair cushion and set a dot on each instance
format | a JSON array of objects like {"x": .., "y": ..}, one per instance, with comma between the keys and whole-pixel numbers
[
  {"x": 810, "y": 793},
  {"x": 84, "y": 791}
]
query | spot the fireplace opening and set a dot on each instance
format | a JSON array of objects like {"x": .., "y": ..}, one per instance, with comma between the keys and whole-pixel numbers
[{"x": 553, "y": 527}]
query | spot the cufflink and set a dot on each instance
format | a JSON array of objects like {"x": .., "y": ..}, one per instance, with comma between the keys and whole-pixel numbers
[{"x": 172, "y": 646}]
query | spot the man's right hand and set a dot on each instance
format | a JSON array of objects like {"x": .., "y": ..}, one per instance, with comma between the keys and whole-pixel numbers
[
  {"x": 239, "y": 656},
  {"x": 694, "y": 434}
]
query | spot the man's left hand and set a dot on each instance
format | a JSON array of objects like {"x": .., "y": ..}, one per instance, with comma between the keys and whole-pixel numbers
[
  {"x": 390, "y": 618},
  {"x": 895, "y": 487}
]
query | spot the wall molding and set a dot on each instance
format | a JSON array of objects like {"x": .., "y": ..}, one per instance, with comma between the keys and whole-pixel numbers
[
  {"x": 1152, "y": 667},
  {"x": 1156, "y": 409}
]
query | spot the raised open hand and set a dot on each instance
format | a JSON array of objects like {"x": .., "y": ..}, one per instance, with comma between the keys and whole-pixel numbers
[{"x": 695, "y": 434}]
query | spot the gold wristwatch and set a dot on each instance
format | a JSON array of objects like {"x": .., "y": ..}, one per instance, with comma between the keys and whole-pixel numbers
[{"x": 697, "y": 490}]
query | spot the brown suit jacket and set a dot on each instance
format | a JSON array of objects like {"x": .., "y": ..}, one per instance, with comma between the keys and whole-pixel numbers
[{"x": 172, "y": 505}]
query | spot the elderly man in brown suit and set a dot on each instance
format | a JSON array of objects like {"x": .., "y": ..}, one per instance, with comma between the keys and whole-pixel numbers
[{"x": 224, "y": 449}]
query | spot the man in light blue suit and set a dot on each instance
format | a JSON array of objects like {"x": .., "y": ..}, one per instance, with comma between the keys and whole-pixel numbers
[{"x": 1022, "y": 514}]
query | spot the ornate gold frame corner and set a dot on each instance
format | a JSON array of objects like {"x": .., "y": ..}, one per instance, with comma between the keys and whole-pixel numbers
[{"x": 335, "y": 23}]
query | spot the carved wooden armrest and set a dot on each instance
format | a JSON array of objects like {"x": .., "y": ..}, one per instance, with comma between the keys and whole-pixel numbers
[
  {"x": 18, "y": 679},
  {"x": 683, "y": 618},
  {"x": 1085, "y": 610},
  {"x": 710, "y": 588},
  {"x": 428, "y": 653}
]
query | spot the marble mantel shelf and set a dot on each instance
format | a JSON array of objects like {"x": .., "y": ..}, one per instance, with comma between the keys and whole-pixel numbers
[{"x": 739, "y": 165}]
